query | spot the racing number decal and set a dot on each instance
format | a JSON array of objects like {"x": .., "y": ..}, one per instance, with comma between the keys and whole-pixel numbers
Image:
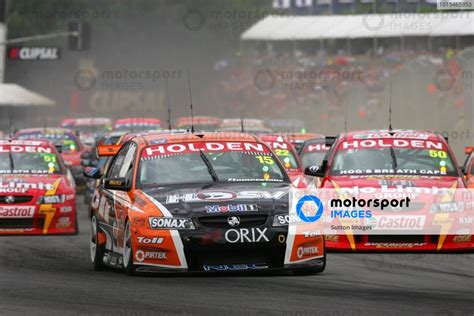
[
  {"x": 267, "y": 160},
  {"x": 438, "y": 154},
  {"x": 282, "y": 152}
]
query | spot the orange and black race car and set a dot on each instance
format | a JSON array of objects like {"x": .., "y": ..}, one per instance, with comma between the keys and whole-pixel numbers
[
  {"x": 210, "y": 202},
  {"x": 37, "y": 192}
]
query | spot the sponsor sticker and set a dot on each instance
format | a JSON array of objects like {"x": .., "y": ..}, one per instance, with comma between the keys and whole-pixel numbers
[
  {"x": 246, "y": 235},
  {"x": 141, "y": 255},
  {"x": 234, "y": 267},
  {"x": 167, "y": 149},
  {"x": 231, "y": 208},
  {"x": 170, "y": 223},
  {"x": 17, "y": 211},
  {"x": 150, "y": 240}
]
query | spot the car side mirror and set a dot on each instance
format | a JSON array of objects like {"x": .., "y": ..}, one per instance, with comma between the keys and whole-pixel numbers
[
  {"x": 92, "y": 173},
  {"x": 315, "y": 171},
  {"x": 119, "y": 184}
]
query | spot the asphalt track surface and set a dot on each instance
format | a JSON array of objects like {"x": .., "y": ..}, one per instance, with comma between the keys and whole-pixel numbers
[{"x": 54, "y": 276}]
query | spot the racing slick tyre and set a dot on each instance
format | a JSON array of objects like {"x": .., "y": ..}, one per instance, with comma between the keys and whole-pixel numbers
[
  {"x": 128, "y": 251},
  {"x": 97, "y": 251},
  {"x": 310, "y": 270}
]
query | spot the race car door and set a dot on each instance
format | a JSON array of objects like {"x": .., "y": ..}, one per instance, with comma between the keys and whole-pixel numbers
[{"x": 114, "y": 203}]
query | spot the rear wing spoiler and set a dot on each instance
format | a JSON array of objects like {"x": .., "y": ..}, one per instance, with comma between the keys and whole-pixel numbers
[{"x": 107, "y": 150}]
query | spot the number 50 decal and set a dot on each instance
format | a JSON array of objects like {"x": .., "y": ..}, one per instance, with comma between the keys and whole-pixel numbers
[{"x": 438, "y": 154}]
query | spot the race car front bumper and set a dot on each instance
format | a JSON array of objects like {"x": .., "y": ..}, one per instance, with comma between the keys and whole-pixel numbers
[
  {"x": 400, "y": 243},
  {"x": 48, "y": 219},
  {"x": 209, "y": 250}
]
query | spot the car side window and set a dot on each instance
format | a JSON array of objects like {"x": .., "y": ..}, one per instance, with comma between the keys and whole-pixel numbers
[
  {"x": 122, "y": 164},
  {"x": 126, "y": 170}
]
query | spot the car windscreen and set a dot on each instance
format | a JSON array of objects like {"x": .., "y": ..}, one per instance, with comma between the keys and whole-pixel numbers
[
  {"x": 23, "y": 162},
  {"x": 313, "y": 154},
  {"x": 92, "y": 128},
  {"x": 287, "y": 159},
  {"x": 209, "y": 162},
  {"x": 68, "y": 142},
  {"x": 382, "y": 157}
]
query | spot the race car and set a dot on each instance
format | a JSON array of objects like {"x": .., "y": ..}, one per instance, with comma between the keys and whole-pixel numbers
[
  {"x": 313, "y": 150},
  {"x": 37, "y": 191},
  {"x": 70, "y": 146},
  {"x": 297, "y": 139},
  {"x": 468, "y": 167},
  {"x": 205, "y": 202},
  {"x": 288, "y": 157},
  {"x": 250, "y": 126},
  {"x": 137, "y": 124},
  {"x": 201, "y": 123},
  {"x": 286, "y": 125},
  {"x": 388, "y": 160},
  {"x": 89, "y": 129}
]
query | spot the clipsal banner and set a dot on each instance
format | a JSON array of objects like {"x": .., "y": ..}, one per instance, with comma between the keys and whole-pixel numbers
[
  {"x": 182, "y": 148},
  {"x": 387, "y": 143},
  {"x": 33, "y": 53},
  {"x": 17, "y": 211}
]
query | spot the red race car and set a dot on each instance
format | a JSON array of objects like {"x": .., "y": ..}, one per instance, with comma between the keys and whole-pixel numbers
[
  {"x": 70, "y": 146},
  {"x": 387, "y": 160},
  {"x": 468, "y": 167},
  {"x": 297, "y": 139},
  {"x": 288, "y": 157},
  {"x": 37, "y": 191},
  {"x": 201, "y": 123},
  {"x": 89, "y": 129},
  {"x": 137, "y": 124},
  {"x": 313, "y": 150}
]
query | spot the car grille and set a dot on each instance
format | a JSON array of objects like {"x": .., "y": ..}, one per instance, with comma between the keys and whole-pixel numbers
[
  {"x": 221, "y": 221},
  {"x": 21, "y": 223},
  {"x": 18, "y": 199}
]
